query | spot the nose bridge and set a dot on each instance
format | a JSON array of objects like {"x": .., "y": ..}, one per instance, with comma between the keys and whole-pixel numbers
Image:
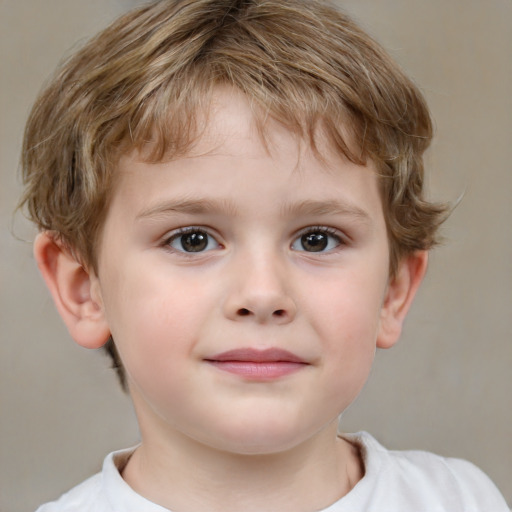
[{"x": 260, "y": 288}]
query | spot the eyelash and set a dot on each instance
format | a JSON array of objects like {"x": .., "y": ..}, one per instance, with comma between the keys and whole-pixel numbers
[
  {"x": 189, "y": 230},
  {"x": 330, "y": 233}
]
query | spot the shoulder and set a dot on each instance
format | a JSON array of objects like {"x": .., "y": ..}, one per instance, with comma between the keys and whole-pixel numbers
[
  {"x": 85, "y": 496},
  {"x": 423, "y": 481},
  {"x": 103, "y": 492}
]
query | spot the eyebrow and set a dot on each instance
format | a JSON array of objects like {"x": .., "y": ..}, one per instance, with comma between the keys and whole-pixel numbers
[
  {"x": 225, "y": 206},
  {"x": 327, "y": 207},
  {"x": 191, "y": 206}
]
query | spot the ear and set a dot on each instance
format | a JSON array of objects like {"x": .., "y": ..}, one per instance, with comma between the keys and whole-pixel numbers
[
  {"x": 75, "y": 291},
  {"x": 399, "y": 296}
]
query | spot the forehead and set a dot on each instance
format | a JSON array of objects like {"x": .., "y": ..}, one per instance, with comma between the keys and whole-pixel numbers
[
  {"x": 234, "y": 132},
  {"x": 227, "y": 117},
  {"x": 235, "y": 137}
]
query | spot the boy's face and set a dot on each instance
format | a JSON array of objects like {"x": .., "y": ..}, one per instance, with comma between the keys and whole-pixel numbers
[{"x": 245, "y": 287}]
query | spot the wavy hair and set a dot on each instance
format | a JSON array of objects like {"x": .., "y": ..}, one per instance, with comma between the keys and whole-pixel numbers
[{"x": 148, "y": 76}]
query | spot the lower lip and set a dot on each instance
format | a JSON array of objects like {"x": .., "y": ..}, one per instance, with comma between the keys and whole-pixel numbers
[{"x": 264, "y": 370}]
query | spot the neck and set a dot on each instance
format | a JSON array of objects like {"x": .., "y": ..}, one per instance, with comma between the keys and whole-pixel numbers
[{"x": 184, "y": 475}]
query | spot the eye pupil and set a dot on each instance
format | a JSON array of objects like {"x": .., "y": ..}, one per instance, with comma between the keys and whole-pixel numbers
[
  {"x": 314, "y": 242},
  {"x": 194, "y": 242}
]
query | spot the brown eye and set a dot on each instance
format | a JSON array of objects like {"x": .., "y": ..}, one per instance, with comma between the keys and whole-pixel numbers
[
  {"x": 317, "y": 240},
  {"x": 194, "y": 240},
  {"x": 314, "y": 242}
]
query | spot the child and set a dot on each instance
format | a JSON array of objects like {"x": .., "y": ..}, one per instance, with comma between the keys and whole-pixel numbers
[{"x": 230, "y": 199}]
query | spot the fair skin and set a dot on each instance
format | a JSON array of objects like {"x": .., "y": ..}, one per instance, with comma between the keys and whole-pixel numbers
[{"x": 247, "y": 288}]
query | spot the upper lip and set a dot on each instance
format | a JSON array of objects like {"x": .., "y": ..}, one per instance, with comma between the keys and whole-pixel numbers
[{"x": 257, "y": 356}]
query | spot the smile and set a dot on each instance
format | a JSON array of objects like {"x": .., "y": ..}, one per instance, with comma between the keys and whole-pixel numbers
[{"x": 254, "y": 364}]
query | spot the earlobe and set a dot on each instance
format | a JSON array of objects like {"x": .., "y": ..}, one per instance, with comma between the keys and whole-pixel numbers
[
  {"x": 75, "y": 291},
  {"x": 399, "y": 296}
]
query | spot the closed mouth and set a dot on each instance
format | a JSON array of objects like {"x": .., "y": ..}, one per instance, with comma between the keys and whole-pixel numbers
[{"x": 258, "y": 365}]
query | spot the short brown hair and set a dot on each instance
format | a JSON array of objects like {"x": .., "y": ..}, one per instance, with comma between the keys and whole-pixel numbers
[{"x": 146, "y": 76}]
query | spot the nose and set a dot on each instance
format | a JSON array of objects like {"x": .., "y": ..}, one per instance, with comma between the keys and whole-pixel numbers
[{"x": 259, "y": 292}]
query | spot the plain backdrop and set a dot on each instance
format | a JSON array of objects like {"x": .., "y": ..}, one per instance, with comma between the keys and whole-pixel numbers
[{"x": 446, "y": 387}]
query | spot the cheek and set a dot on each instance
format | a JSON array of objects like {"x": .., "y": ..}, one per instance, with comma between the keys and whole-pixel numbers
[
  {"x": 346, "y": 319},
  {"x": 348, "y": 311},
  {"x": 154, "y": 321}
]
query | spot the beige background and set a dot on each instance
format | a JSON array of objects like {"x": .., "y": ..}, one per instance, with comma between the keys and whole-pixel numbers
[{"x": 446, "y": 387}]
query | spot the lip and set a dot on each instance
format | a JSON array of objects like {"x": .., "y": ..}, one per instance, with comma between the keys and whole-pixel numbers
[{"x": 258, "y": 365}]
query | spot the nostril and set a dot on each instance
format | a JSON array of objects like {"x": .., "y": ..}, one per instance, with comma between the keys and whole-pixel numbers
[
  {"x": 244, "y": 312},
  {"x": 279, "y": 312}
]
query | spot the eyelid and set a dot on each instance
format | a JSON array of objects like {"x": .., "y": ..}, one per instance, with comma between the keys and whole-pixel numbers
[
  {"x": 178, "y": 232},
  {"x": 335, "y": 232},
  {"x": 341, "y": 237}
]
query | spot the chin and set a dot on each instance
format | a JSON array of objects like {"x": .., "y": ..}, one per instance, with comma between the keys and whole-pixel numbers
[{"x": 258, "y": 439}]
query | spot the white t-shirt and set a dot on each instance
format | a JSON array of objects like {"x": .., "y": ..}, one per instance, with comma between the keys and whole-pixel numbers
[{"x": 394, "y": 481}]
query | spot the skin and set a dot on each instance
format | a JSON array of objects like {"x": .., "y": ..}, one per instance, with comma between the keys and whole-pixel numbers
[{"x": 213, "y": 439}]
